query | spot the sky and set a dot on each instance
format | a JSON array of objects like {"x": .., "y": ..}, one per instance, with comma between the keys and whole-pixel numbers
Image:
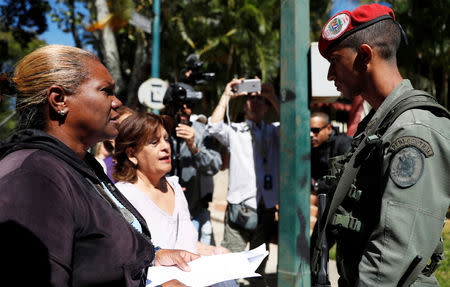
[{"x": 54, "y": 35}]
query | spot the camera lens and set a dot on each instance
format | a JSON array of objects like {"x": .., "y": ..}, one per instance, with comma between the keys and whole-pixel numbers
[{"x": 181, "y": 93}]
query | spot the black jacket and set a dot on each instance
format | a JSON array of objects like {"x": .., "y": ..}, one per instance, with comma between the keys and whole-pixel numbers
[
  {"x": 56, "y": 229},
  {"x": 337, "y": 144}
]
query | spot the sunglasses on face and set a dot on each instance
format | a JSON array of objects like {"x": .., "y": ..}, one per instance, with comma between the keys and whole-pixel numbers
[{"x": 317, "y": 130}]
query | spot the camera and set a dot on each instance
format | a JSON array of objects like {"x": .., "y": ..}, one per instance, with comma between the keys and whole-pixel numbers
[
  {"x": 193, "y": 71},
  {"x": 181, "y": 93}
]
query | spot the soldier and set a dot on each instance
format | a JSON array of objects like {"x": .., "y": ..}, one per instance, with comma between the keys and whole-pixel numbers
[{"x": 389, "y": 206}]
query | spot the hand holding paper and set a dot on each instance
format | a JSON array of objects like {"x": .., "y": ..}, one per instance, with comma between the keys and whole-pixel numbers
[
  {"x": 209, "y": 270},
  {"x": 169, "y": 257}
]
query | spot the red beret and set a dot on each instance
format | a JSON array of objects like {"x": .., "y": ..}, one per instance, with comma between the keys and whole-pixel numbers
[{"x": 345, "y": 23}]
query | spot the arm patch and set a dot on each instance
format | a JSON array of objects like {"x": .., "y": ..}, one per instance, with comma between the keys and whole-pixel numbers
[
  {"x": 406, "y": 167},
  {"x": 411, "y": 141}
]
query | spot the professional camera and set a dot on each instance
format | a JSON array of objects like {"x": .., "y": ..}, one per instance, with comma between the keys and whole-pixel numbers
[
  {"x": 181, "y": 93},
  {"x": 180, "y": 97},
  {"x": 193, "y": 71}
]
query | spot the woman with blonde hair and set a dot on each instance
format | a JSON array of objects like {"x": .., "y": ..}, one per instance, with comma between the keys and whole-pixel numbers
[{"x": 63, "y": 222}]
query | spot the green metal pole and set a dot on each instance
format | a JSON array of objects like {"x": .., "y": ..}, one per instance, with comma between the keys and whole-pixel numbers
[
  {"x": 295, "y": 176},
  {"x": 155, "y": 35}
]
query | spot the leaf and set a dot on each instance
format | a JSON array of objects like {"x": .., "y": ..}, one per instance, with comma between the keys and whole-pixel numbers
[{"x": 101, "y": 24}]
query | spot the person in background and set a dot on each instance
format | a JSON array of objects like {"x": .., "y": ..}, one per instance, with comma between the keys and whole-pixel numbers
[
  {"x": 195, "y": 160},
  {"x": 326, "y": 143},
  {"x": 124, "y": 112},
  {"x": 253, "y": 169},
  {"x": 392, "y": 192},
  {"x": 101, "y": 151},
  {"x": 61, "y": 219},
  {"x": 143, "y": 159}
]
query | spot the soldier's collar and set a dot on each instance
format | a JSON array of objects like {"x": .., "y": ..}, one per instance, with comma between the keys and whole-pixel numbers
[{"x": 404, "y": 86}]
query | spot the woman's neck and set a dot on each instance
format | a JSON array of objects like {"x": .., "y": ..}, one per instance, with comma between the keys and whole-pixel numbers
[
  {"x": 158, "y": 190},
  {"x": 78, "y": 147},
  {"x": 151, "y": 183}
]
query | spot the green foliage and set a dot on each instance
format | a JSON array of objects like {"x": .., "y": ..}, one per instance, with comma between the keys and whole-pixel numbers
[
  {"x": 443, "y": 272},
  {"x": 319, "y": 15},
  {"x": 25, "y": 19},
  {"x": 332, "y": 253},
  {"x": 13, "y": 52},
  {"x": 70, "y": 20},
  {"x": 233, "y": 38},
  {"x": 426, "y": 60}
]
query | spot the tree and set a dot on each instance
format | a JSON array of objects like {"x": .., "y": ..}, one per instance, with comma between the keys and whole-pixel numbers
[
  {"x": 24, "y": 18},
  {"x": 233, "y": 38},
  {"x": 236, "y": 38},
  {"x": 20, "y": 24},
  {"x": 426, "y": 59},
  {"x": 109, "y": 46},
  {"x": 319, "y": 15},
  {"x": 12, "y": 52},
  {"x": 69, "y": 19}
]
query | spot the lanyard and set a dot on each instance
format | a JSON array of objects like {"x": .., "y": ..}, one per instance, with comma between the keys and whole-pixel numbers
[{"x": 261, "y": 147}]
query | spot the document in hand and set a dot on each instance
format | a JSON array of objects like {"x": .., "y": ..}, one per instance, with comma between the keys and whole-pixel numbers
[{"x": 208, "y": 270}]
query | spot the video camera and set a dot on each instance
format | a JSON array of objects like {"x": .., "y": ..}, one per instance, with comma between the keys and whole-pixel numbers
[
  {"x": 196, "y": 76},
  {"x": 181, "y": 93}
]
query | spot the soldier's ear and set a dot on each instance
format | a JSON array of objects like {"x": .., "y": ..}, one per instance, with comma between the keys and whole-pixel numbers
[{"x": 363, "y": 58}]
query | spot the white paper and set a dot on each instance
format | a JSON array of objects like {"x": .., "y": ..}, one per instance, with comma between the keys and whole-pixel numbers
[{"x": 208, "y": 270}]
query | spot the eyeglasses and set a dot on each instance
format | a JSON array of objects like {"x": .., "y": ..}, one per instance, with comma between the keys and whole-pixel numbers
[{"x": 317, "y": 130}]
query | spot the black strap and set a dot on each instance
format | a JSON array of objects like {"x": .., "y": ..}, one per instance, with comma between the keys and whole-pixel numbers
[{"x": 375, "y": 128}]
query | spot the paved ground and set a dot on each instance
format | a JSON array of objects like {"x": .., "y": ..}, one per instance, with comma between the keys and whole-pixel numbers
[{"x": 217, "y": 208}]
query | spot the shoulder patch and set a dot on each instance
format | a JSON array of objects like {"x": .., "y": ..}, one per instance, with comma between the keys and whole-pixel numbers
[
  {"x": 411, "y": 141},
  {"x": 406, "y": 167}
]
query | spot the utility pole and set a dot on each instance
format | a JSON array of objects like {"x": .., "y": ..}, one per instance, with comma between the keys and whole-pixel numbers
[
  {"x": 295, "y": 175},
  {"x": 155, "y": 35}
]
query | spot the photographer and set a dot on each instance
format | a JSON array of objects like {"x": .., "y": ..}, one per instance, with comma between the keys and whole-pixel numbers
[
  {"x": 253, "y": 172},
  {"x": 194, "y": 157}
]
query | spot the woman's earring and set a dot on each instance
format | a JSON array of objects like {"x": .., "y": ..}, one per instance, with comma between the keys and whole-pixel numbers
[{"x": 61, "y": 113}]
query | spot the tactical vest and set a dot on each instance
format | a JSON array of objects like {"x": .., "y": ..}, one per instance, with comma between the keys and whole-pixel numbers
[{"x": 355, "y": 216}]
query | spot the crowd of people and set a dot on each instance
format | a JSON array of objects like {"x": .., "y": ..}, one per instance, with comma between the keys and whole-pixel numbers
[{"x": 93, "y": 193}]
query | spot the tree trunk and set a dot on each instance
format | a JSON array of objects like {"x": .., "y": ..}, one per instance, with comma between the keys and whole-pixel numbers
[
  {"x": 140, "y": 72},
  {"x": 73, "y": 26},
  {"x": 109, "y": 49}
]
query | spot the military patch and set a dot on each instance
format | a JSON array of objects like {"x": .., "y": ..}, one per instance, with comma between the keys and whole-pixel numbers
[
  {"x": 412, "y": 141},
  {"x": 406, "y": 166},
  {"x": 336, "y": 27}
]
